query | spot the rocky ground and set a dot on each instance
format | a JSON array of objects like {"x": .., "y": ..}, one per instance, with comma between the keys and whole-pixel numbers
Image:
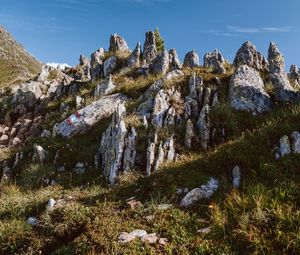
[{"x": 134, "y": 152}]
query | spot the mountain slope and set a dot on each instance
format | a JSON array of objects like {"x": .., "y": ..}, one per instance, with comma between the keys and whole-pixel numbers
[{"x": 16, "y": 64}]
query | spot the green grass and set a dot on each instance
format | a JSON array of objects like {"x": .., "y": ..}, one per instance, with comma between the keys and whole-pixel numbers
[{"x": 262, "y": 217}]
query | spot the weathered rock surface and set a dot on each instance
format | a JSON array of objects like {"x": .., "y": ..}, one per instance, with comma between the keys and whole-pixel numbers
[
  {"x": 174, "y": 60},
  {"x": 166, "y": 109},
  {"x": 39, "y": 154},
  {"x": 189, "y": 134},
  {"x": 81, "y": 121},
  {"x": 191, "y": 59},
  {"x": 278, "y": 77},
  {"x": 204, "y": 192},
  {"x": 158, "y": 153},
  {"x": 248, "y": 55},
  {"x": 160, "y": 64},
  {"x": 236, "y": 177},
  {"x": 117, "y": 151},
  {"x": 97, "y": 58},
  {"x": 294, "y": 77},
  {"x": 118, "y": 44},
  {"x": 109, "y": 65},
  {"x": 216, "y": 61},
  {"x": 105, "y": 87},
  {"x": 150, "y": 51},
  {"x": 247, "y": 91},
  {"x": 284, "y": 146},
  {"x": 27, "y": 94},
  {"x": 295, "y": 142},
  {"x": 134, "y": 59},
  {"x": 204, "y": 126}
]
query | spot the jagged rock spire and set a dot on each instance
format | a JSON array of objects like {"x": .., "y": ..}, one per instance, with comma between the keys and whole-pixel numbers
[
  {"x": 248, "y": 55},
  {"x": 118, "y": 44},
  {"x": 150, "y": 51},
  {"x": 191, "y": 59}
]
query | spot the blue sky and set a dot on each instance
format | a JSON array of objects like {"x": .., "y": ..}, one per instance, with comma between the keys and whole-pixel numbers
[{"x": 60, "y": 30}]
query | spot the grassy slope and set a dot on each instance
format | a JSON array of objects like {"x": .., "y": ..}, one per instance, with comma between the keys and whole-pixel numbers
[
  {"x": 263, "y": 217},
  {"x": 16, "y": 65}
]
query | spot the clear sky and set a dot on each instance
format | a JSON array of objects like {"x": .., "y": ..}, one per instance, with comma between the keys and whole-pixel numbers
[{"x": 60, "y": 30}]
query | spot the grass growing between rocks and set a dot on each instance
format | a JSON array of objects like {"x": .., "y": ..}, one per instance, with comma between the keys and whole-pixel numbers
[{"x": 262, "y": 217}]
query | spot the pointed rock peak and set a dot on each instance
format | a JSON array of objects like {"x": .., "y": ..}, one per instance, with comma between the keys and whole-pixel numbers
[
  {"x": 83, "y": 61},
  {"x": 248, "y": 55},
  {"x": 191, "y": 59},
  {"x": 118, "y": 44},
  {"x": 276, "y": 59},
  {"x": 174, "y": 59},
  {"x": 150, "y": 50}
]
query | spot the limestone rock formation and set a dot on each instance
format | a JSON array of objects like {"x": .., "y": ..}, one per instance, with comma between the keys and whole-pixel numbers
[
  {"x": 97, "y": 58},
  {"x": 294, "y": 77},
  {"x": 174, "y": 60},
  {"x": 164, "y": 113},
  {"x": 109, "y": 66},
  {"x": 82, "y": 120},
  {"x": 112, "y": 145},
  {"x": 117, "y": 151},
  {"x": 216, "y": 61},
  {"x": 189, "y": 134},
  {"x": 27, "y": 94},
  {"x": 204, "y": 192},
  {"x": 159, "y": 152},
  {"x": 236, "y": 177},
  {"x": 150, "y": 51},
  {"x": 105, "y": 87},
  {"x": 134, "y": 59},
  {"x": 118, "y": 44},
  {"x": 39, "y": 154},
  {"x": 278, "y": 77},
  {"x": 284, "y": 146},
  {"x": 204, "y": 127},
  {"x": 247, "y": 91},
  {"x": 248, "y": 55},
  {"x": 130, "y": 150},
  {"x": 160, "y": 64},
  {"x": 191, "y": 59},
  {"x": 295, "y": 142}
]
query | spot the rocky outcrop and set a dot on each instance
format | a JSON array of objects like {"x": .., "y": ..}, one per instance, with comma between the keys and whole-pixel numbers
[
  {"x": 204, "y": 126},
  {"x": 248, "y": 55},
  {"x": 84, "y": 119},
  {"x": 85, "y": 69},
  {"x": 236, "y": 177},
  {"x": 247, "y": 91},
  {"x": 288, "y": 144},
  {"x": 109, "y": 66},
  {"x": 191, "y": 59},
  {"x": 167, "y": 108},
  {"x": 97, "y": 58},
  {"x": 174, "y": 60},
  {"x": 278, "y": 77},
  {"x": 39, "y": 154},
  {"x": 294, "y": 77},
  {"x": 159, "y": 153},
  {"x": 204, "y": 192},
  {"x": 105, "y": 87},
  {"x": 150, "y": 51},
  {"x": 118, "y": 44},
  {"x": 27, "y": 94},
  {"x": 215, "y": 61},
  {"x": 160, "y": 64},
  {"x": 134, "y": 59},
  {"x": 189, "y": 134},
  {"x": 117, "y": 149},
  {"x": 130, "y": 150}
]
